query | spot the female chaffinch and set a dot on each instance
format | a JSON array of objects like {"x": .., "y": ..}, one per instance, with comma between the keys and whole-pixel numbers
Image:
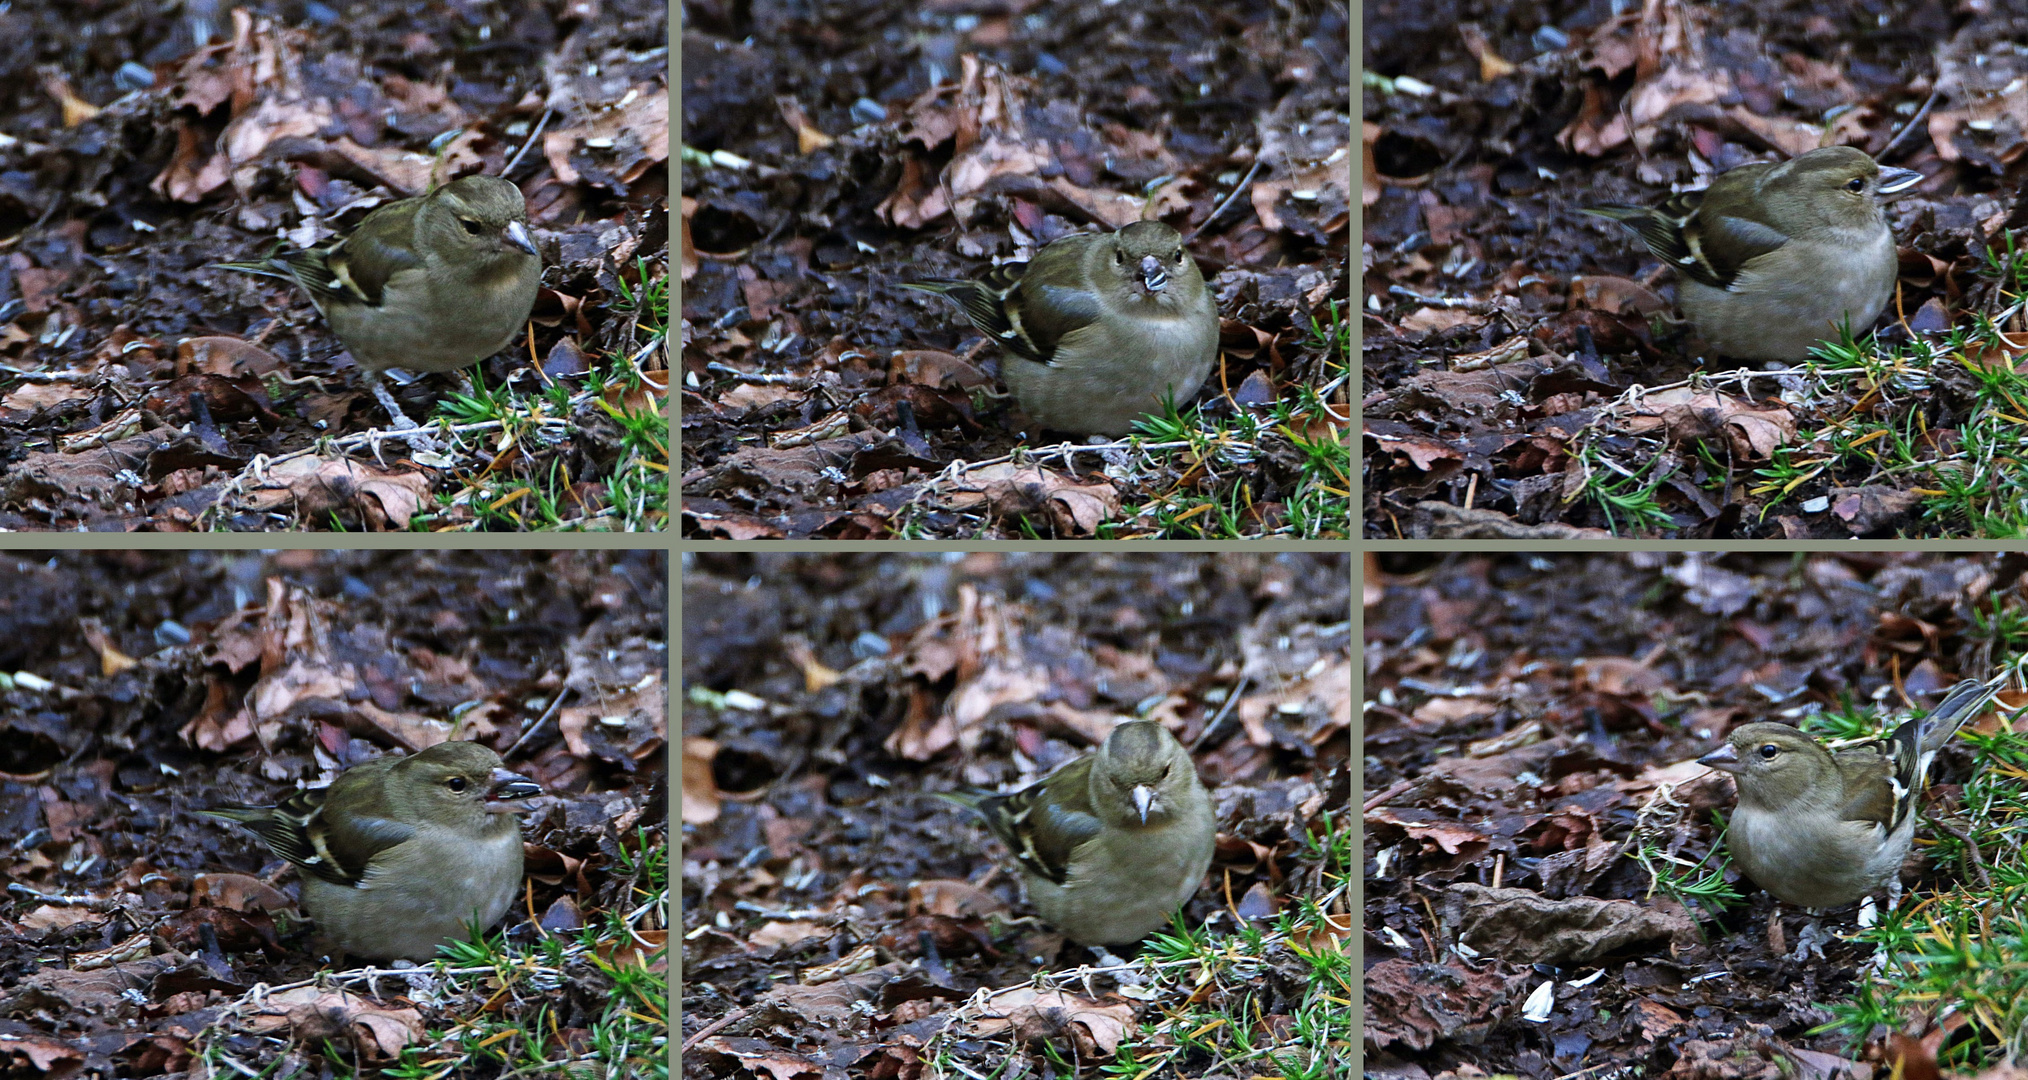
[
  {"x": 1113, "y": 842},
  {"x": 400, "y": 853},
  {"x": 1774, "y": 258},
  {"x": 433, "y": 283},
  {"x": 1101, "y": 327},
  {"x": 1819, "y": 828}
]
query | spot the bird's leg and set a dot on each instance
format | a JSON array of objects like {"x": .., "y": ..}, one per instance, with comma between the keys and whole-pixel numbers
[
  {"x": 386, "y": 399},
  {"x": 1811, "y": 940},
  {"x": 1868, "y": 916}
]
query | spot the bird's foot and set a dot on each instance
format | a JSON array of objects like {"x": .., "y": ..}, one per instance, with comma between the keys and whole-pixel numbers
[
  {"x": 404, "y": 428},
  {"x": 1105, "y": 957},
  {"x": 1811, "y": 941}
]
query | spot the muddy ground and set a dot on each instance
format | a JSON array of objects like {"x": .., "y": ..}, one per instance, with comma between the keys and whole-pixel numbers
[
  {"x": 142, "y": 390},
  {"x": 1533, "y": 722},
  {"x": 836, "y": 916},
  {"x": 828, "y": 149},
  {"x": 1517, "y": 361},
  {"x": 139, "y": 687}
]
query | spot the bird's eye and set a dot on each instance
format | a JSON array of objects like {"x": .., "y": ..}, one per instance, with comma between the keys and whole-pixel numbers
[
  {"x": 472, "y": 228},
  {"x": 1768, "y": 751},
  {"x": 456, "y": 783},
  {"x": 1856, "y": 185}
]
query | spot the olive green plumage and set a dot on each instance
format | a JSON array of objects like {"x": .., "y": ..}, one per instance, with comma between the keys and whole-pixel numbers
[
  {"x": 398, "y": 854},
  {"x": 1819, "y": 828},
  {"x": 1099, "y": 327},
  {"x": 1774, "y": 258},
  {"x": 433, "y": 283},
  {"x": 1113, "y": 842}
]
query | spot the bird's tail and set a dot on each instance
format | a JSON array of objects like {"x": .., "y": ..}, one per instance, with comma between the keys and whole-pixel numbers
[
  {"x": 1964, "y": 701},
  {"x": 267, "y": 268}
]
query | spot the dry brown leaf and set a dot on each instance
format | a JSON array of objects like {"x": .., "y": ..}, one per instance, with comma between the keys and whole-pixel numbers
[
  {"x": 237, "y": 892},
  {"x": 1370, "y": 188},
  {"x": 31, "y": 396},
  {"x": 1094, "y": 1029},
  {"x": 1011, "y": 489},
  {"x": 111, "y": 660},
  {"x": 50, "y": 917},
  {"x": 1619, "y": 676},
  {"x": 361, "y": 1025},
  {"x": 1615, "y": 295},
  {"x": 629, "y": 137},
  {"x": 951, "y": 898},
  {"x": 981, "y": 641},
  {"x": 76, "y": 110},
  {"x": 624, "y": 724},
  {"x": 1686, "y": 413},
  {"x": 1451, "y": 836},
  {"x": 779, "y": 932},
  {"x": 983, "y": 116},
  {"x": 221, "y": 355},
  {"x": 1435, "y": 320},
  {"x": 809, "y": 139},
  {"x": 382, "y": 499},
  {"x": 1791, "y": 137}
]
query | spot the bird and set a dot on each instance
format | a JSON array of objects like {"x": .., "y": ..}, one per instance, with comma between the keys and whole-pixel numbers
[
  {"x": 1112, "y": 843},
  {"x": 433, "y": 283},
  {"x": 397, "y": 855},
  {"x": 1101, "y": 328},
  {"x": 1775, "y": 258},
  {"x": 1821, "y": 828}
]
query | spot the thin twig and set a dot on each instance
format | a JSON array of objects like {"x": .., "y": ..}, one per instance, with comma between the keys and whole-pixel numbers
[
  {"x": 1244, "y": 182},
  {"x": 532, "y": 136},
  {"x": 554, "y": 704},
  {"x": 1384, "y": 797},
  {"x": 714, "y": 1027},
  {"x": 1230, "y": 700},
  {"x": 1978, "y": 863},
  {"x": 51, "y": 376},
  {"x": 1465, "y": 303},
  {"x": 759, "y": 379},
  {"x": 1910, "y": 126}
]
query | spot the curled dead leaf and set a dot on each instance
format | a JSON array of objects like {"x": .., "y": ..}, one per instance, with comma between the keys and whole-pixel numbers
[
  {"x": 313, "y": 1015},
  {"x": 1093, "y": 1028},
  {"x": 1686, "y": 413},
  {"x": 1015, "y": 490}
]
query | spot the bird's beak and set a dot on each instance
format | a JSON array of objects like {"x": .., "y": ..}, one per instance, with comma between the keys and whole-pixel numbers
[
  {"x": 517, "y": 235},
  {"x": 508, "y": 789},
  {"x": 1144, "y": 798},
  {"x": 1894, "y": 181},
  {"x": 1722, "y": 759},
  {"x": 1152, "y": 274}
]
